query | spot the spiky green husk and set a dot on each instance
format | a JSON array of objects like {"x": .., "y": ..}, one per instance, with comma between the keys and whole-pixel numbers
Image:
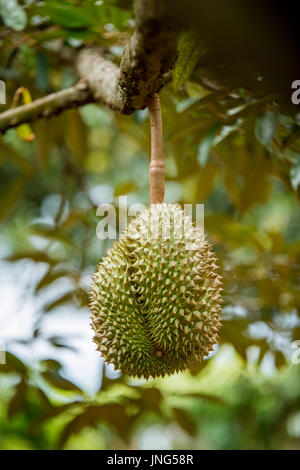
[{"x": 155, "y": 298}]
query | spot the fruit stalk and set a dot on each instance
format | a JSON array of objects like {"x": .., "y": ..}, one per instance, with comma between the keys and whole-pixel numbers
[{"x": 157, "y": 167}]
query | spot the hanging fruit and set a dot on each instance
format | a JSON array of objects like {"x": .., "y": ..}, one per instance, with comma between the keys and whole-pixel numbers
[{"x": 156, "y": 297}]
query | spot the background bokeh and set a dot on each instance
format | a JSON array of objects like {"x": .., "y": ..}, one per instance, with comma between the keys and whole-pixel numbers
[{"x": 227, "y": 148}]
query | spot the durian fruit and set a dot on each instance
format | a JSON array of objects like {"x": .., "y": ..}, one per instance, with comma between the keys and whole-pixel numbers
[{"x": 155, "y": 298}]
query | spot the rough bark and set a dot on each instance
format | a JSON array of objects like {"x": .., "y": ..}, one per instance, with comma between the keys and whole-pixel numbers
[{"x": 149, "y": 55}]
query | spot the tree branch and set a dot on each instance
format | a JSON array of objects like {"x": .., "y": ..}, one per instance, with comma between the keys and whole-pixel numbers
[
  {"x": 101, "y": 76},
  {"x": 46, "y": 106},
  {"x": 148, "y": 57}
]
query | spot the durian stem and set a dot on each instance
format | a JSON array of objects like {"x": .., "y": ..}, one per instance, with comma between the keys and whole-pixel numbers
[{"x": 157, "y": 166}]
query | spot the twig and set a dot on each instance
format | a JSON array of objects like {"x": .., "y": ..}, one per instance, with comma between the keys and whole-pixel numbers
[{"x": 157, "y": 167}]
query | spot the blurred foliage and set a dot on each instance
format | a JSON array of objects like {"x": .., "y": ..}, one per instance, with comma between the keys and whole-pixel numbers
[{"x": 233, "y": 152}]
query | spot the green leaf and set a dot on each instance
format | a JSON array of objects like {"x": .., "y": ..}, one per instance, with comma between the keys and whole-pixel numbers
[
  {"x": 65, "y": 33},
  {"x": 151, "y": 398},
  {"x": 184, "y": 421},
  {"x": 205, "y": 396},
  {"x": 113, "y": 15},
  {"x": 189, "y": 50},
  {"x": 51, "y": 276},
  {"x": 18, "y": 401},
  {"x": 33, "y": 255},
  {"x": 59, "y": 342},
  {"x": 42, "y": 78},
  {"x": 25, "y": 132},
  {"x": 12, "y": 14},
  {"x": 11, "y": 195},
  {"x": 123, "y": 4},
  {"x": 206, "y": 144},
  {"x": 205, "y": 180},
  {"x": 51, "y": 364},
  {"x": 112, "y": 414},
  {"x": 124, "y": 188},
  {"x": 13, "y": 364},
  {"x": 78, "y": 297},
  {"x": 57, "y": 381},
  {"x": 266, "y": 126},
  {"x": 226, "y": 130},
  {"x": 67, "y": 14},
  {"x": 76, "y": 135},
  {"x": 215, "y": 135},
  {"x": 8, "y": 151},
  {"x": 295, "y": 174},
  {"x": 69, "y": 297}
]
